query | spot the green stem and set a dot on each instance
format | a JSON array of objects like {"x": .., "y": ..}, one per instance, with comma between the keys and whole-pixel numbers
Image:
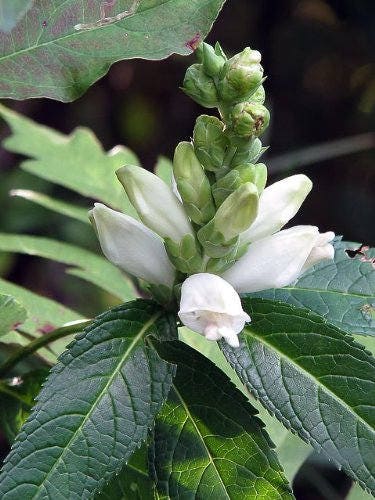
[{"x": 36, "y": 344}]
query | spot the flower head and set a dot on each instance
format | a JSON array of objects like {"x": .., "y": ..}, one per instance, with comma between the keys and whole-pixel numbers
[{"x": 210, "y": 306}]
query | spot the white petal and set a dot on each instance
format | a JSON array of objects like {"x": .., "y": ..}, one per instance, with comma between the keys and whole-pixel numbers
[
  {"x": 322, "y": 250},
  {"x": 210, "y": 306},
  {"x": 278, "y": 203},
  {"x": 155, "y": 202},
  {"x": 132, "y": 246},
  {"x": 274, "y": 261}
]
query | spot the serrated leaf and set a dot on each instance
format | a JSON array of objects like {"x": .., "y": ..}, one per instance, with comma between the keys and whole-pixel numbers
[
  {"x": 314, "y": 378},
  {"x": 16, "y": 403},
  {"x": 94, "y": 410},
  {"x": 342, "y": 291},
  {"x": 63, "y": 47},
  {"x": 76, "y": 161},
  {"x": 12, "y": 313},
  {"x": 132, "y": 483},
  {"x": 87, "y": 265},
  {"x": 11, "y": 11},
  {"x": 61, "y": 207},
  {"x": 207, "y": 441},
  {"x": 44, "y": 314}
]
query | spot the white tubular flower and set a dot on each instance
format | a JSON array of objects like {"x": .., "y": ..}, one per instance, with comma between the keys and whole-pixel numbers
[
  {"x": 278, "y": 260},
  {"x": 210, "y": 306},
  {"x": 278, "y": 203},
  {"x": 155, "y": 202},
  {"x": 132, "y": 246}
]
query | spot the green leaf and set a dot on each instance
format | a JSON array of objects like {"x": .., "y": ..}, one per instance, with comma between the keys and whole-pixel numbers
[
  {"x": 63, "y": 47},
  {"x": 343, "y": 291},
  {"x": 87, "y": 265},
  {"x": 77, "y": 161},
  {"x": 94, "y": 410},
  {"x": 164, "y": 169},
  {"x": 133, "y": 482},
  {"x": 290, "y": 449},
  {"x": 11, "y": 11},
  {"x": 53, "y": 204},
  {"x": 314, "y": 378},
  {"x": 44, "y": 314},
  {"x": 207, "y": 441},
  {"x": 356, "y": 493},
  {"x": 16, "y": 401},
  {"x": 12, "y": 314}
]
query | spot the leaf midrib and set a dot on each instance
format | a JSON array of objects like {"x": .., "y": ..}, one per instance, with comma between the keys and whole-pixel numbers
[
  {"x": 318, "y": 290},
  {"x": 134, "y": 342},
  {"x": 211, "y": 459},
  {"x": 78, "y": 33},
  {"x": 309, "y": 376}
]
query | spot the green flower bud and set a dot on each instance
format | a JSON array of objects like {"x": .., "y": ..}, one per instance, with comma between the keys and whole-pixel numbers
[
  {"x": 200, "y": 87},
  {"x": 192, "y": 184},
  {"x": 248, "y": 151},
  {"x": 249, "y": 119},
  {"x": 241, "y": 76},
  {"x": 218, "y": 266},
  {"x": 259, "y": 95},
  {"x": 210, "y": 142},
  {"x": 212, "y": 63},
  {"x": 185, "y": 255},
  {"x": 257, "y": 174},
  {"x": 234, "y": 216}
]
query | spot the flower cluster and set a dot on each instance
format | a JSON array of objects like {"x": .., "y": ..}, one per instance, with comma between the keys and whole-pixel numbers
[{"x": 217, "y": 231}]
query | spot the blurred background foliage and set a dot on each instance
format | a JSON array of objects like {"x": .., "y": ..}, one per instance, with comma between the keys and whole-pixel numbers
[{"x": 319, "y": 59}]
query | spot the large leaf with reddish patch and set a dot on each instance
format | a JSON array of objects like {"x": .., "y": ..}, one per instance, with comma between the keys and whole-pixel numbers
[{"x": 61, "y": 47}]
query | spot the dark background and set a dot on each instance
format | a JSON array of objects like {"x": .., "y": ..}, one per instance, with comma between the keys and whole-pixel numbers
[{"x": 319, "y": 59}]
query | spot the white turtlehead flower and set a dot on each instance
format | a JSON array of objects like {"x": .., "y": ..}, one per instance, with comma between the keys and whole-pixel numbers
[
  {"x": 277, "y": 260},
  {"x": 278, "y": 203},
  {"x": 210, "y": 306},
  {"x": 132, "y": 246},
  {"x": 155, "y": 202}
]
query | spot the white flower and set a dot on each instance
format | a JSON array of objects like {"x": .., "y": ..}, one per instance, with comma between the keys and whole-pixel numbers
[
  {"x": 277, "y": 260},
  {"x": 155, "y": 202},
  {"x": 278, "y": 203},
  {"x": 132, "y": 246},
  {"x": 210, "y": 306}
]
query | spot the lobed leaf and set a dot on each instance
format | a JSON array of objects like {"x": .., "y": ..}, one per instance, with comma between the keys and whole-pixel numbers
[
  {"x": 94, "y": 410},
  {"x": 315, "y": 379},
  {"x": 77, "y": 161},
  {"x": 342, "y": 291},
  {"x": 62, "y": 47},
  {"x": 87, "y": 265},
  {"x": 207, "y": 441}
]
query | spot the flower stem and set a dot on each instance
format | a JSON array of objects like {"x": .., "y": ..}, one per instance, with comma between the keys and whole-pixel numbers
[{"x": 38, "y": 343}]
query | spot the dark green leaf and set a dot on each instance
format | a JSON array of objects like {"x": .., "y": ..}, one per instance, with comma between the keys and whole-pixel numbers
[
  {"x": 87, "y": 265},
  {"x": 12, "y": 313},
  {"x": 63, "y": 47},
  {"x": 77, "y": 161},
  {"x": 133, "y": 482},
  {"x": 17, "y": 399},
  {"x": 94, "y": 410},
  {"x": 314, "y": 378},
  {"x": 342, "y": 291},
  {"x": 11, "y": 11},
  {"x": 207, "y": 441}
]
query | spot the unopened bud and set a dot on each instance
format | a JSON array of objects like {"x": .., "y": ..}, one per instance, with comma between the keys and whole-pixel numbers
[
  {"x": 192, "y": 184},
  {"x": 248, "y": 151},
  {"x": 241, "y": 76},
  {"x": 185, "y": 255},
  {"x": 200, "y": 86},
  {"x": 257, "y": 174},
  {"x": 210, "y": 142},
  {"x": 249, "y": 119},
  {"x": 259, "y": 95},
  {"x": 234, "y": 216},
  {"x": 212, "y": 62}
]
